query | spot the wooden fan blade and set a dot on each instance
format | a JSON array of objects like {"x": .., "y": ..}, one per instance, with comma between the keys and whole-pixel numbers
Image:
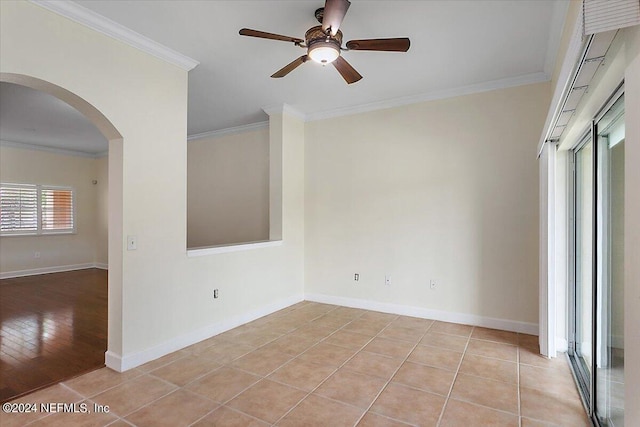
[
  {"x": 334, "y": 12},
  {"x": 348, "y": 73},
  {"x": 290, "y": 67},
  {"x": 271, "y": 36},
  {"x": 385, "y": 45}
]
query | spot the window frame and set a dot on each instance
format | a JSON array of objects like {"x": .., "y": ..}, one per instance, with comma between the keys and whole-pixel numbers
[{"x": 39, "y": 231}]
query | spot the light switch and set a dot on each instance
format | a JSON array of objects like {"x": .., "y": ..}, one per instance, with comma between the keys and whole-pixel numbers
[{"x": 132, "y": 243}]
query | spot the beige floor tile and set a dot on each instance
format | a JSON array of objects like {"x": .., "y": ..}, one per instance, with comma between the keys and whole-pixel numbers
[
  {"x": 495, "y": 335},
  {"x": 77, "y": 418},
  {"x": 225, "y": 352},
  {"x": 427, "y": 378},
  {"x": 391, "y": 348},
  {"x": 401, "y": 333},
  {"x": 317, "y": 411},
  {"x": 409, "y": 405},
  {"x": 373, "y": 364},
  {"x": 348, "y": 339},
  {"x": 365, "y": 326},
  {"x": 262, "y": 361},
  {"x": 120, "y": 423},
  {"x": 56, "y": 393},
  {"x": 331, "y": 321},
  {"x": 292, "y": 344},
  {"x": 316, "y": 333},
  {"x": 352, "y": 388},
  {"x": 458, "y": 414},
  {"x": 528, "y": 422},
  {"x": 100, "y": 380},
  {"x": 529, "y": 341},
  {"x": 132, "y": 395},
  {"x": 493, "y": 394},
  {"x": 180, "y": 408},
  {"x": 378, "y": 317},
  {"x": 302, "y": 374},
  {"x": 493, "y": 349},
  {"x": 413, "y": 323},
  {"x": 435, "y": 356},
  {"x": 533, "y": 358},
  {"x": 451, "y": 328},
  {"x": 449, "y": 342},
  {"x": 491, "y": 368},
  {"x": 226, "y": 417},
  {"x": 549, "y": 380},
  {"x": 185, "y": 370},
  {"x": 257, "y": 338},
  {"x": 267, "y": 400},
  {"x": 374, "y": 420},
  {"x": 164, "y": 360},
  {"x": 537, "y": 405},
  {"x": 327, "y": 354},
  {"x": 223, "y": 384},
  {"x": 348, "y": 312}
]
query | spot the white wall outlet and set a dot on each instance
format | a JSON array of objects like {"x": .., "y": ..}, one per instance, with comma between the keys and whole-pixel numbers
[
  {"x": 432, "y": 284},
  {"x": 36, "y": 254},
  {"x": 387, "y": 279},
  {"x": 132, "y": 243},
  {"x": 356, "y": 277}
]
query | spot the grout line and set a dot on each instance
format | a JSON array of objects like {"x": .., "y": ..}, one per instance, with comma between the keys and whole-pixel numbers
[
  {"x": 394, "y": 372},
  {"x": 455, "y": 377}
]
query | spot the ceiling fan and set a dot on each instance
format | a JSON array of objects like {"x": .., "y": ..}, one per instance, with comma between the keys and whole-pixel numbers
[{"x": 324, "y": 42}]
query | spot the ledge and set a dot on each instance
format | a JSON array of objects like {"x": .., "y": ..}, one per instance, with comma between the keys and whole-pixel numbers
[{"x": 223, "y": 249}]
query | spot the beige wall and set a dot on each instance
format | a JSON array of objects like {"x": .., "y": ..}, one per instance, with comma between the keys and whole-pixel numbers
[
  {"x": 444, "y": 190},
  {"x": 102, "y": 210},
  {"x": 228, "y": 189},
  {"x": 19, "y": 165},
  {"x": 159, "y": 298}
]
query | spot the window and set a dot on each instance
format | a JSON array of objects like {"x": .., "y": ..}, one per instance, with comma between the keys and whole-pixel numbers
[{"x": 36, "y": 209}]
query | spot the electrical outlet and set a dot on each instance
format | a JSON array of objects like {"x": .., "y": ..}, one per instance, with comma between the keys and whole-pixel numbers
[
  {"x": 215, "y": 293},
  {"x": 432, "y": 284},
  {"x": 387, "y": 279},
  {"x": 356, "y": 277}
]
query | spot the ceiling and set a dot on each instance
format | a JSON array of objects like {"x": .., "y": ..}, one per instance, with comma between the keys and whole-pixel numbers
[{"x": 455, "y": 46}]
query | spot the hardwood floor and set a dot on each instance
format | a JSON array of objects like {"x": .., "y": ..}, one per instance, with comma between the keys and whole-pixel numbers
[{"x": 52, "y": 327}]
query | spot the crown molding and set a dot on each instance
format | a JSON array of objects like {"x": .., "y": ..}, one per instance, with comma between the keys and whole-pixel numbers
[
  {"x": 228, "y": 131},
  {"x": 284, "y": 109},
  {"x": 61, "y": 151},
  {"x": 101, "y": 24},
  {"x": 432, "y": 96}
]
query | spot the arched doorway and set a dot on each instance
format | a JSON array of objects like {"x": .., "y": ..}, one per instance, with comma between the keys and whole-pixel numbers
[{"x": 104, "y": 125}]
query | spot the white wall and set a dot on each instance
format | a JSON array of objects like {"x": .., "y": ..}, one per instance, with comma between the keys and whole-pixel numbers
[
  {"x": 228, "y": 189},
  {"x": 159, "y": 299},
  {"x": 102, "y": 211},
  {"x": 28, "y": 166},
  {"x": 444, "y": 190}
]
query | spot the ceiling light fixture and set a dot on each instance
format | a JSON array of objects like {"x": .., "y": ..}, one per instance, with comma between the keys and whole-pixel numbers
[{"x": 324, "y": 51}]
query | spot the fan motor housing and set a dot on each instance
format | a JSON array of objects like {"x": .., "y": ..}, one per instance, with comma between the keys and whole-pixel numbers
[{"x": 315, "y": 34}]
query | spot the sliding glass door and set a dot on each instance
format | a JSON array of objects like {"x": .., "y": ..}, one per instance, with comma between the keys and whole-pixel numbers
[{"x": 596, "y": 349}]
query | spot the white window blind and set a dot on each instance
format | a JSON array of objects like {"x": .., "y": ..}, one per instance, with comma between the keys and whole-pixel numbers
[
  {"x": 36, "y": 209},
  {"x": 56, "y": 209},
  {"x": 605, "y": 15},
  {"x": 18, "y": 208}
]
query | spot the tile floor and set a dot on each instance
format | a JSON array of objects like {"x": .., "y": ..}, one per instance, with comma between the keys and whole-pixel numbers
[{"x": 321, "y": 365}]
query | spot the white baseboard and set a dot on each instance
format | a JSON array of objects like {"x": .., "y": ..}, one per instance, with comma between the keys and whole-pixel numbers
[
  {"x": 425, "y": 313},
  {"x": 127, "y": 362},
  {"x": 101, "y": 266},
  {"x": 46, "y": 270}
]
